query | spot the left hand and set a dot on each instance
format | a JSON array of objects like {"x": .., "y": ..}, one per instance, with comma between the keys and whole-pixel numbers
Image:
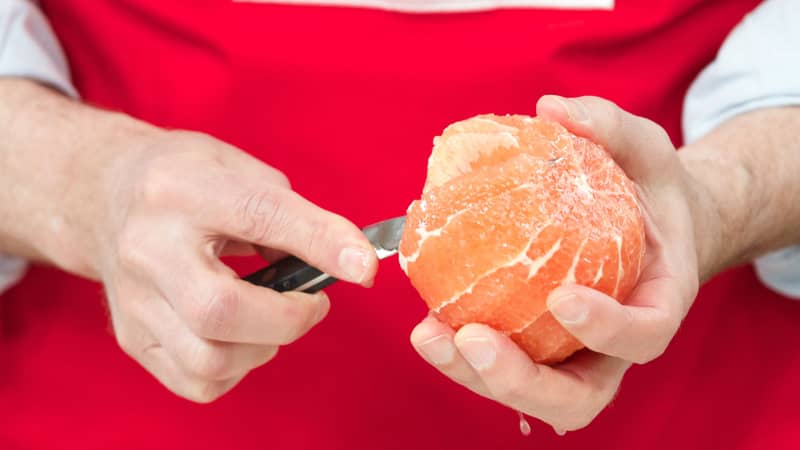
[{"x": 570, "y": 395}]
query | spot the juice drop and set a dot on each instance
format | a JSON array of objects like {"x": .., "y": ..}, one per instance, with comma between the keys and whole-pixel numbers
[{"x": 524, "y": 426}]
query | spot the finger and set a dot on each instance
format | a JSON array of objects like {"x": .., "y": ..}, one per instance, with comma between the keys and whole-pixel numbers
[
  {"x": 602, "y": 374},
  {"x": 275, "y": 217},
  {"x": 433, "y": 340},
  {"x": 640, "y": 146},
  {"x": 201, "y": 358},
  {"x": 217, "y": 305},
  {"x": 250, "y": 202},
  {"x": 567, "y": 397},
  {"x": 138, "y": 342},
  {"x": 637, "y": 332},
  {"x": 237, "y": 311},
  {"x": 163, "y": 367},
  {"x": 208, "y": 360}
]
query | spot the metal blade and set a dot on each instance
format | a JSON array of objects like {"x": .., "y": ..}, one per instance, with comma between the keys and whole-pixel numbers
[{"x": 385, "y": 236}]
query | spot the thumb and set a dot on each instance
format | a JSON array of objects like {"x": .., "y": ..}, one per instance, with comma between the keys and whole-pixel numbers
[
  {"x": 640, "y": 146},
  {"x": 274, "y": 217},
  {"x": 634, "y": 333}
]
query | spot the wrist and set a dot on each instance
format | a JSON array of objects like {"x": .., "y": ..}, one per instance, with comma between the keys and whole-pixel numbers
[
  {"x": 59, "y": 153},
  {"x": 706, "y": 223},
  {"x": 711, "y": 181}
]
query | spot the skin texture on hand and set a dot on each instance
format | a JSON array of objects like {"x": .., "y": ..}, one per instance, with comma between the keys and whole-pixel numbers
[
  {"x": 148, "y": 213},
  {"x": 568, "y": 396}
]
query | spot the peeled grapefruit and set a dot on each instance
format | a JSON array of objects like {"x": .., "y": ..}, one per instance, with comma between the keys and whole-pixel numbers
[{"x": 513, "y": 207}]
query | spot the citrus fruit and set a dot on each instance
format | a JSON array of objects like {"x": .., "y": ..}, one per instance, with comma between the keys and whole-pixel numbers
[{"x": 513, "y": 207}]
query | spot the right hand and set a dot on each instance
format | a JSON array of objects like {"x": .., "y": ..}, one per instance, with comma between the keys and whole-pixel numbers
[
  {"x": 168, "y": 210},
  {"x": 569, "y": 395}
]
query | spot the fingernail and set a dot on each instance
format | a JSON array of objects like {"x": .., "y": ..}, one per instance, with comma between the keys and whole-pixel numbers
[
  {"x": 577, "y": 111},
  {"x": 568, "y": 308},
  {"x": 479, "y": 352},
  {"x": 353, "y": 261},
  {"x": 438, "y": 350}
]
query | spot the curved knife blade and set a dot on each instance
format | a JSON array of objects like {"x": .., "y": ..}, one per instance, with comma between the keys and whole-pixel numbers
[{"x": 385, "y": 236}]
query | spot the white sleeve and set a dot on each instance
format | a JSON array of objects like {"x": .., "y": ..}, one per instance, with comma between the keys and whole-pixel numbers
[
  {"x": 11, "y": 271},
  {"x": 28, "y": 48},
  {"x": 758, "y": 66}
]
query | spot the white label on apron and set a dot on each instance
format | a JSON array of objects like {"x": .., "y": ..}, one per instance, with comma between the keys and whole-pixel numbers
[{"x": 434, "y": 6}]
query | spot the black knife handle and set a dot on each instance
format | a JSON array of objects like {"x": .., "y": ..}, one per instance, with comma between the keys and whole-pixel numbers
[{"x": 289, "y": 274}]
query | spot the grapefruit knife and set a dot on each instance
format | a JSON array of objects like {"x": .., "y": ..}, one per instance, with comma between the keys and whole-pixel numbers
[{"x": 292, "y": 274}]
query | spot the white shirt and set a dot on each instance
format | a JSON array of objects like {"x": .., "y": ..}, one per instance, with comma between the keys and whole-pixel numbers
[{"x": 758, "y": 66}]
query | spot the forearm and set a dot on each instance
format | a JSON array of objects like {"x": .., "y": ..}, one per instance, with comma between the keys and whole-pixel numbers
[
  {"x": 53, "y": 157},
  {"x": 747, "y": 179}
]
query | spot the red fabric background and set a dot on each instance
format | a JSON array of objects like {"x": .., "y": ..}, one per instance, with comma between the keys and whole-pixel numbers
[{"x": 346, "y": 102}]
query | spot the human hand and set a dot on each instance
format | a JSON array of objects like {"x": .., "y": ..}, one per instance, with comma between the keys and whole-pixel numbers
[
  {"x": 569, "y": 396},
  {"x": 170, "y": 209}
]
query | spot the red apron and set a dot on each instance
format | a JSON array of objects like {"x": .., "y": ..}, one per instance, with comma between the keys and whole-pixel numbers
[{"x": 346, "y": 101}]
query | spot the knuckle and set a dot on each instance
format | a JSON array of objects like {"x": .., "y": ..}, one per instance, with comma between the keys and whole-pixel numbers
[
  {"x": 189, "y": 138},
  {"x": 618, "y": 115},
  {"x": 581, "y": 413},
  {"x": 510, "y": 393},
  {"x": 127, "y": 310},
  {"x": 282, "y": 180},
  {"x": 575, "y": 407},
  {"x": 130, "y": 339},
  {"x": 578, "y": 422},
  {"x": 661, "y": 340},
  {"x": 295, "y": 320},
  {"x": 132, "y": 252},
  {"x": 200, "y": 391},
  {"x": 597, "y": 395},
  {"x": 207, "y": 362},
  {"x": 649, "y": 355},
  {"x": 658, "y": 133},
  {"x": 157, "y": 184},
  {"x": 270, "y": 352},
  {"x": 674, "y": 312},
  {"x": 212, "y": 317},
  {"x": 603, "y": 108},
  {"x": 317, "y": 236},
  {"x": 124, "y": 341},
  {"x": 594, "y": 102},
  {"x": 584, "y": 404},
  {"x": 129, "y": 331},
  {"x": 260, "y": 215}
]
